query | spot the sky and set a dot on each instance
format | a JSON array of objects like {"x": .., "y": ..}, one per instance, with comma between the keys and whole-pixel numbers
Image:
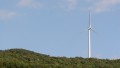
[{"x": 60, "y": 27}]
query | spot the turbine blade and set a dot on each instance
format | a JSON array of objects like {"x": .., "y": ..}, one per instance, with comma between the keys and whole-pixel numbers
[
  {"x": 89, "y": 19},
  {"x": 93, "y": 31}
]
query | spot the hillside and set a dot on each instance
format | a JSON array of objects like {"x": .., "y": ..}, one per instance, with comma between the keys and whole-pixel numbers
[{"x": 21, "y": 58}]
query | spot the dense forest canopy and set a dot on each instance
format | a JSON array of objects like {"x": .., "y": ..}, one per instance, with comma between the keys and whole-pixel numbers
[{"x": 22, "y": 58}]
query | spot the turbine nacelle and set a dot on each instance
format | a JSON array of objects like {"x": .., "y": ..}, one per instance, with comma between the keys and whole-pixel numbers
[{"x": 90, "y": 27}]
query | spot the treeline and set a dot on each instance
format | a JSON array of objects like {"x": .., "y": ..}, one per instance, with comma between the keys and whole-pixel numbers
[{"x": 21, "y": 58}]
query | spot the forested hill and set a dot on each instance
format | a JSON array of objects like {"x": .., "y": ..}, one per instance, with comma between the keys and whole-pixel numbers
[{"x": 21, "y": 58}]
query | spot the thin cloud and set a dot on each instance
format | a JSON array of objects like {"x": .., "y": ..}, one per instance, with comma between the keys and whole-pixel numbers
[
  {"x": 30, "y": 4},
  {"x": 7, "y": 14},
  {"x": 71, "y": 4},
  {"x": 68, "y": 4},
  {"x": 104, "y": 5}
]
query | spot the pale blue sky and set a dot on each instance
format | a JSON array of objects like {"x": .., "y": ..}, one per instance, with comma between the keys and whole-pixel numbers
[{"x": 59, "y": 27}]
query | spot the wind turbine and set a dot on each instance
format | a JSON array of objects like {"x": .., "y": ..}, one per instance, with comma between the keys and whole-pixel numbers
[{"x": 89, "y": 36}]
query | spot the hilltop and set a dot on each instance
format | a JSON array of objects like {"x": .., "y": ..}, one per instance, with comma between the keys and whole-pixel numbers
[{"x": 22, "y": 58}]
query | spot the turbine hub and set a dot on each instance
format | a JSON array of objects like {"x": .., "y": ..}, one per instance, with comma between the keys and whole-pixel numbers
[{"x": 89, "y": 28}]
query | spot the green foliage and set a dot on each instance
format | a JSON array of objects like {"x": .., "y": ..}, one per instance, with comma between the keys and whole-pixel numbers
[{"x": 21, "y": 58}]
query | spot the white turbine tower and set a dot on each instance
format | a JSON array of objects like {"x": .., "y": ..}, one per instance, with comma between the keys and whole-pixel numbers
[{"x": 89, "y": 36}]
